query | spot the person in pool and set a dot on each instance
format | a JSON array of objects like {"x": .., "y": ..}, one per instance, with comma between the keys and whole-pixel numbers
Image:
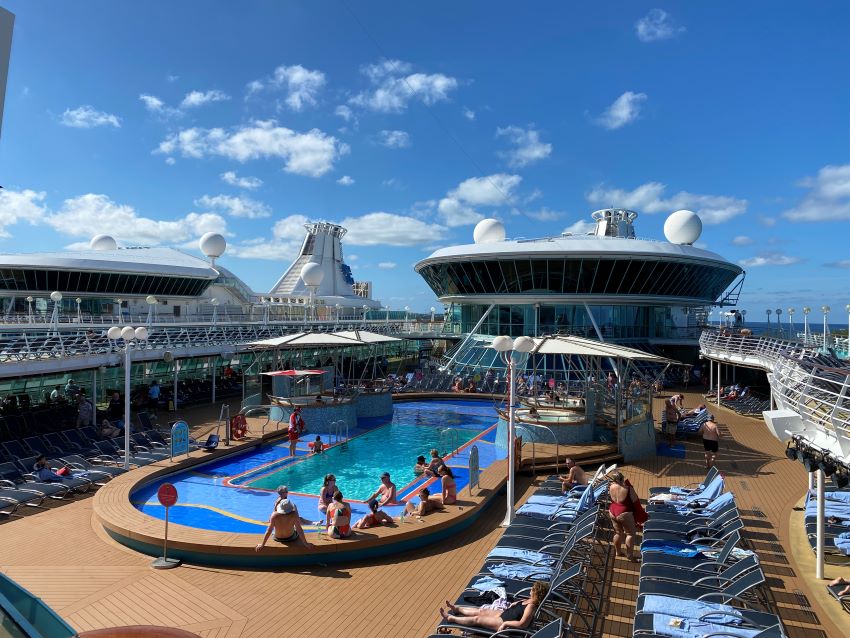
[
  {"x": 326, "y": 496},
  {"x": 499, "y": 615},
  {"x": 426, "y": 504},
  {"x": 386, "y": 493},
  {"x": 420, "y": 466},
  {"x": 434, "y": 466},
  {"x": 449, "y": 491},
  {"x": 374, "y": 518},
  {"x": 339, "y": 517},
  {"x": 284, "y": 522},
  {"x": 318, "y": 446}
]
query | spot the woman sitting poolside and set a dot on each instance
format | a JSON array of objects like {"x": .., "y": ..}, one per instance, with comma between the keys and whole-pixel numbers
[
  {"x": 426, "y": 504},
  {"x": 339, "y": 517},
  {"x": 374, "y": 518},
  {"x": 499, "y": 615},
  {"x": 449, "y": 492},
  {"x": 326, "y": 496}
]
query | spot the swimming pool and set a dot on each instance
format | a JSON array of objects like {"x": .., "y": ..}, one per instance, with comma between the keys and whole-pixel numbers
[{"x": 235, "y": 493}]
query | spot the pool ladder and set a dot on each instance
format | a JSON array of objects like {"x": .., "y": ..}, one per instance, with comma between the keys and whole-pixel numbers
[
  {"x": 447, "y": 437},
  {"x": 337, "y": 428}
]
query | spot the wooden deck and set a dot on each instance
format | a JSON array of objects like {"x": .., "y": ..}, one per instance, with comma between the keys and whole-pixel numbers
[{"x": 64, "y": 556}]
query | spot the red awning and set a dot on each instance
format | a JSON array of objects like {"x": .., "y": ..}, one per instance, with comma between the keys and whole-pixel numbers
[{"x": 294, "y": 373}]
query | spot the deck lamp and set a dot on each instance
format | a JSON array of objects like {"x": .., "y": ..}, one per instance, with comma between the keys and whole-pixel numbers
[
  {"x": 338, "y": 311},
  {"x": 827, "y": 466},
  {"x": 120, "y": 301},
  {"x": 29, "y": 309},
  {"x": 56, "y": 297},
  {"x": 778, "y": 322},
  {"x": 514, "y": 353},
  {"x": 768, "y": 312},
  {"x": 365, "y": 310},
  {"x": 825, "y": 310},
  {"x": 791, "y": 452},
  {"x": 152, "y": 302},
  {"x": 791, "y": 312},
  {"x": 130, "y": 336},
  {"x": 847, "y": 308},
  {"x": 406, "y": 312},
  {"x": 806, "y": 311},
  {"x": 809, "y": 461},
  {"x": 214, "y": 302},
  {"x": 433, "y": 310},
  {"x": 79, "y": 313}
]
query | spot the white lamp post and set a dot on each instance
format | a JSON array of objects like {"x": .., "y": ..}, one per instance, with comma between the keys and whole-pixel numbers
[
  {"x": 365, "y": 310},
  {"x": 152, "y": 302},
  {"x": 768, "y": 312},
  {"x": 120, "y": 310},
  {"x": 778, "y": 322},
  {"x": 847, "y": 308},
  {"x": 806, "y": 311},
  {"x": 338, "y": 312},
  {"x": 214, "y": 302},
  {"x": 791, "y": 312},
  {"x": 387, "y": 308},
  {"x": 79, "y": 312},
  {"x": 129, "y": 335},
  {"x": 406, "y": 313},
  {"x": 514, "y": 353},
  {"x": 56, "y": 297},
  {"x": 825, "y": 310},
  {"x": 433, "y": 310},
  {"x": 29, "y": 309},
  {"x": 744, "y": 315}
]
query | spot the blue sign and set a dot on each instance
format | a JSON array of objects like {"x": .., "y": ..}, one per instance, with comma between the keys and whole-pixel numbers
[{"x": 179, "y": 438}]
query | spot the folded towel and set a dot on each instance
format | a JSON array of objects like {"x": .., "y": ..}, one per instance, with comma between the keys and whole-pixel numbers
[
  {"x": 542, "y": 499},
  {"x": 842, "y": 542},
  {"x": 673, "y": 548},
  {"x": 694, "y": 609},
  {"x": 488, "y": 583},
  {"x": 518, "y": 571},
  {"x": 536, "y": 510},
  {"x": 525, "y": 555},
  {"x": 678, "y": 627}
]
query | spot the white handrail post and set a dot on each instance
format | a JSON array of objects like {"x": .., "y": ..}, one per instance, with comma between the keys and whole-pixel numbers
[{"x": 821, "y": 525}]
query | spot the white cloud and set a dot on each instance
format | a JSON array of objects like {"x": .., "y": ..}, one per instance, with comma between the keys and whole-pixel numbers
[
  {"x": 395, "y": 87},
  {"x": 248, "y": 183},
  {"x": 170, "y": 161},
  {"x": 491, "y": 190},
  {"x": 312, "y": 153},
  {"x": 770, "y": 259},
  {"x": 345, "y": 180},
  {"x": 287, "y": 236},
  {"x": 254, "y": 86},
  {"x": 625, "y": 109},
  {"x": 455, "y": 213},
  {"x": 657, "y": 25},
  {"x": 352, "y": 258},
  {"x": 527, "y": 146},
  {"x": 88, "y": 117},
  {"x": 544, "y": 214},
  {"x": 828, "y": 198},
  {"x": 742, "y": 240},
  {"x": 87, "y": 214},
  {"x": 390, "y": 229},
  {"x": 20, "y": 206},
  {"x": 649, "y": 198},
  {"x": 156, "y": 106},
  {"x": 770, "y": 222},
  {"x": 301, "y": 85},
  {"x": 387, "y": 265},
  {"x": 844, "y": 263},
  {"x": 234, "y": 206},
  {"x": 199, "y": 98},
  {"x": 581, "y": 227},
  {"x": 394, "y": 139},
  {"x": 469, "y": 114},
  {"x": 344, "y": 112},
  {"x": 172, "y": 78}
]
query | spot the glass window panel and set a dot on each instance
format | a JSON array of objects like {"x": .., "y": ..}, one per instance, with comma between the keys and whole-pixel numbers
[
  {"x": 509, "y": 276},
  {"x": 524, "y": 275}
]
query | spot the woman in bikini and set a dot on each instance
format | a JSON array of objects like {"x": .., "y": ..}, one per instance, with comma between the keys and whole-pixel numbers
[
  {"x": 622, "y": 512},
  {"x": 448, "y": 495},
  {"x": 339, "y": 517},
  {"x": 499, "y": 615},
  {"x": 326, "y": 496},
  {"x": 374, "y": 518}
]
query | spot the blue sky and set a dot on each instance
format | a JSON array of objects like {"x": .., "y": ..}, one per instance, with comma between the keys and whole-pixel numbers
[{"x": 408, "y": 122}]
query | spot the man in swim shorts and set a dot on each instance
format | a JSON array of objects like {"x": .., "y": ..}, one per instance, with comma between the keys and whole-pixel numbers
[
  {"x": 710, "y": 440},
  {"x": 386, "y": 493},
  {"x": 285, "y": 522}
]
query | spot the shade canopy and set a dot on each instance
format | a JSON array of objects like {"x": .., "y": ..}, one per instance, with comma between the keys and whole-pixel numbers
[
  {"x": 343, "y": 339},
  {"x": 365, "y": 336},
  {"x": 569, "y": 345},
  {"x": 295, "y": 373}
]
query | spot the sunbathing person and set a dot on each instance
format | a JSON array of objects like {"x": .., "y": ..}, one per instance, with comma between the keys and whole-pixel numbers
[
  {"x": 499, "y": 615},
  {"x": 374, "y": 518},
  {"x": 420, "y": 466},
  {"x": 448, "y": 495},
  {"x": 426, "y": 504},
  {"x": 575, "y": 476},
  {"x": 695, "y": 412},
  {"x": 386, "y": 493},
  {"x": 339, "y": 517},
  {"x": 841, "y": 581},
  {"x": 285, "y": 522}
]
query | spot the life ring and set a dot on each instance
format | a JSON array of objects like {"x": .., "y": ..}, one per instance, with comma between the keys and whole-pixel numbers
[{"x": 238, "y": 427}]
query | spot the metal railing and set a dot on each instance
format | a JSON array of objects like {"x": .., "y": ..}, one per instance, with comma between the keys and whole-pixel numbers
[
  {"x": 447, "y": 437},
  {"x": 337, "y": 429},
  {"x": 802, "y": 379}
]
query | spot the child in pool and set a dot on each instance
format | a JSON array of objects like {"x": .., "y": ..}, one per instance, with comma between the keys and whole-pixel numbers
[{"x": 420, "y": 466}]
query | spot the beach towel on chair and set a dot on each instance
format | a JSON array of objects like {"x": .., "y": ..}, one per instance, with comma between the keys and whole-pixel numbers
[
  {"x": 525, "y": 555},
  {"x": 842, "y": 542},
  {"x": 657, "y": 604},
  {"x": 518, "y": 571}
]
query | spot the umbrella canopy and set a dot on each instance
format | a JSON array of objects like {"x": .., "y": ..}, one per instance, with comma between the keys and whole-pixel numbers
[
  {"x": 365, "y": 336},
  {"x": 295, "y": 373},
  {"x": 568, "y": 345},
  {"x": 323, "y": 340}
]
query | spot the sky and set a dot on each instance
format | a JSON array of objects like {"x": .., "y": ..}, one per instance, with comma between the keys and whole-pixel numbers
[{"x": 409, "y": 122}]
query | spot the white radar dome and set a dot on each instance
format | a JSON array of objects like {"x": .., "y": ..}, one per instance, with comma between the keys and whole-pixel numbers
[
  {"x": 312, "y": 274},
  {"x": 212, "y": 245},
  {"x": 103, "y": 242},
  {"x": 683, "y": 227},
  {"x": 488, "y": 231}
]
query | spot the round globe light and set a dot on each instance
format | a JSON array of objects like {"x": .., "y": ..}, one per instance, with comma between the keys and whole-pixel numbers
[
  {"x": 103, "y": 242},
  {"x": 503, "y": 344},
  {"x": 141, "y": 333},
  {"x": 214, "y": 301},
  {"x": 30, "y": 299},
  {"x": 524, "y": 344},
  {"x": 127, "y": 333},
  {"x": 78, "y": 300},
  {"x": 113, "y": 333},
  {"x": 683, "y": 227},
  {"x": 56, "y": 295},
  {"x": 365, "y": 307},
  {"x": 212, "y": 245},
  {"x": 168, "y": 356},
  {"x": 312, "y": 274},
  {"x": 488, "y": 231},
  {"x": 407, "y": 308},
  {"x": 825, "y": 309},
  {"x": 151, "y": 300},
  {"x": 433, "y": 309}
]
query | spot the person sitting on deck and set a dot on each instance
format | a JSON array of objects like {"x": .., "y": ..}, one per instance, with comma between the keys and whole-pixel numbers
[
  {"x": 426, "y": 504},
  {"x": 318, "y": 446},
  {"x": 533, "y": 413},
  {"x": 319, "y": 399},
  {"x": 470, "y": 387},
  {"x": 327, "y": 494},
  {"x": 386, "y": 493},
  {"x": 339, "y": 517},
  {"x": 434, "y": 466},
  {"x": 285, "y": 522},
  {"x": 733, "y": 394},
  {"x": 420, "y": 466},
  {"x": 45, "y": 473},
  {"x": 374, "y": 518},
  {"x": 575, "y": 476},
  {"x": 448, "y": 494},
  {"x": 458, "y": 385},
  {"x": 841, "y": 581},
  {"x": 109, "y": 431},
  {"x": 695, "y": 412},
  {"x": 499, "y": 615}
]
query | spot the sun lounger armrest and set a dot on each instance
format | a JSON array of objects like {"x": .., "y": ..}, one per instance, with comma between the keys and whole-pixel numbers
[
  {"x": 701, "y": 540},
  {"x": 720, "y": 580},
  {"x": 729, "y": 612},
  {"x": 725, "y": 598},
  {"x": 77, "y": 466},
  {"x": 141, "y": 448},
  {"x": 713, "y": 563},
  {"x": 32, "y": 476},
  {"x": 7, "y": 483}
]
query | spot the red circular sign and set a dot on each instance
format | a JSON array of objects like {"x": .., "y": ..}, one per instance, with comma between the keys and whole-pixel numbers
[{"x": 167, "y": 494}]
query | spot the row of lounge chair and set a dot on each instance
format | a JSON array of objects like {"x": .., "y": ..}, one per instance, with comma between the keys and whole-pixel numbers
[
  {"x": 553, "y": 538},
  {"x": 695, "y": 580},
  {"x": 836, "y": 533}
]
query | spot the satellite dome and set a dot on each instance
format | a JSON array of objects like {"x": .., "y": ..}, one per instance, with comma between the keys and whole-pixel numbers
[
  {"x": 683, "y": 227},
  {"x": 103, "y": 242},
  {"x": 488, "y": 231},
  {"x": 312, "y": 274},
  {"x": 212, "y": 245}
]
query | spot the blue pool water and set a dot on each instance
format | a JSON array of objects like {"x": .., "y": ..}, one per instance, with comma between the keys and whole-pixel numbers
[{"x": 235, "y": 494}]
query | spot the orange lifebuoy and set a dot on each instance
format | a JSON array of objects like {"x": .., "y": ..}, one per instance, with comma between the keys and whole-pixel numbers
[{"x": 238, "y": 427}]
